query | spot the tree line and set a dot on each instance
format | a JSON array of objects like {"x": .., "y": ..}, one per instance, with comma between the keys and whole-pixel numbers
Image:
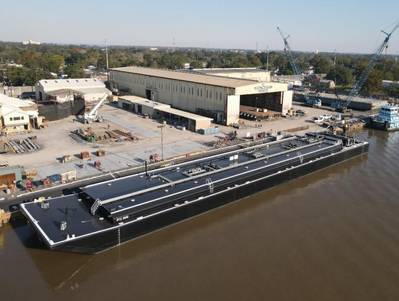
[{"x": 46, "y": 61}]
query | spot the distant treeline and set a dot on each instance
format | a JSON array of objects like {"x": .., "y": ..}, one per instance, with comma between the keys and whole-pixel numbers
[{"x": 45, "y": 61}]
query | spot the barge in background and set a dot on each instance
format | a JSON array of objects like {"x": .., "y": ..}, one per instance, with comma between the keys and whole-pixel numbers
[{"x": 107, "y": 214}]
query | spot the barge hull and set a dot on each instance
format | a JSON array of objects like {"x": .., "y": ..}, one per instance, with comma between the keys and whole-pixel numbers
[
  {"x": 381, "y": 126},
  {"x": 98, "y": 242}
]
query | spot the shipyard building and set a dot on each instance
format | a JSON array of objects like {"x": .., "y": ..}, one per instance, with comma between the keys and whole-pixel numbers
[
  {"x": 65, "y": 90},
  {"x": 17, "y": 116},
  {"x": 216, "y": 96}
]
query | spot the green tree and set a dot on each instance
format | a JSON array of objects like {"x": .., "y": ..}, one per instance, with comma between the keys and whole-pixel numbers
[
  {"x": 54, "y": 63},
  {"x": 374, "y": 83},
  {"x": 30, "y": 59},
  {"x": 321, "y": 64},
  {"x": 74, "y": 71},
  {"x": 24, "y": 76},
  {"x": 341, "y": 75}
]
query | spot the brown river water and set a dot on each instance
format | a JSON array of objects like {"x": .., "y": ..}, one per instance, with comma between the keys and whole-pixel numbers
[{"x": 331, "y": 235}]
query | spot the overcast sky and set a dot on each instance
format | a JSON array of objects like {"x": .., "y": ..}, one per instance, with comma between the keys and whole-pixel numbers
[{"x": 344, "y": 25}]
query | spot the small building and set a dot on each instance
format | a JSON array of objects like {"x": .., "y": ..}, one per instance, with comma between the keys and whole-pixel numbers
[
  {"x": 30, "y": 42},
  {"x": 293, "y": 81},
  {"x": 216, "y": 97},
  {"x": 326, "y": 84},
  {"x": 160, "y": 111},
  {"x": 65, "y": 90},
  {"x": 140, "y": 105},
  {"x": 10, "y": 176},
  {"x": 14, "y": 120},
  {"x": 390, "y": 84},
  {"x": 17, "y": 115}
]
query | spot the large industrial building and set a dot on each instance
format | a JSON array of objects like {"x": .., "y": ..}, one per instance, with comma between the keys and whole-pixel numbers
[{"x": 217, "y": 97}]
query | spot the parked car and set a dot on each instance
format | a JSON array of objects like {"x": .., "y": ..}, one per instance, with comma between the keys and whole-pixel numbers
[
  {"x": 326, "y": 117},
  {"x": 318, "y": 120},
  {"x": 300, "y": 113}
]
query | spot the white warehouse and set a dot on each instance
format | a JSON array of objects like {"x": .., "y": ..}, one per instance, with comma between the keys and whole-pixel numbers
[
  {"x": 65, "y": 90},
  {"x": 213, "y": 96}
]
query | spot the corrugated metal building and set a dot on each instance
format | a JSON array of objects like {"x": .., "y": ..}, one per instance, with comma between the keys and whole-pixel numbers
[
  {"x": 65, "y": 90},
  {"x": 216, "y": 97},
  {"x": 139, "y": 105}
]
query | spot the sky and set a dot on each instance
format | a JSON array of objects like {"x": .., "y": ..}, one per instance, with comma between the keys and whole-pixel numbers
[{"x": 344, "y": 26}]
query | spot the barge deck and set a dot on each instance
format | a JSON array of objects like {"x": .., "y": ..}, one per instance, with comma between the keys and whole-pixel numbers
[{"x": 106, "y": 214}]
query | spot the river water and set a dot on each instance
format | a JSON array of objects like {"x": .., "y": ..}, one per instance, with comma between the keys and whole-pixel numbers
[{"x": 332, "y": 235}]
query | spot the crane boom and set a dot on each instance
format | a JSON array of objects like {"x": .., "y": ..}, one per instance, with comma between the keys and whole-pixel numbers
[
  {"x": 314, "y": 102},
  {"x": 93, "y": 114},
  {"x": 288, "y": 50},
  {"x": 365, "y": 74}
]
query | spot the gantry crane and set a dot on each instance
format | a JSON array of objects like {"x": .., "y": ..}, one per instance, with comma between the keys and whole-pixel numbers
[
  {"x": 311, "y": 101},
  {"x": 342, "y": 105}
]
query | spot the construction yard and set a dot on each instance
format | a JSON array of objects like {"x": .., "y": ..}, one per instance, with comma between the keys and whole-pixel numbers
[{"x": 125, "y": 140}]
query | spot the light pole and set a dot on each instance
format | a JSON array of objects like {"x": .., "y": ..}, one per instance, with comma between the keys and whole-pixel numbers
[
  {"x": 106, "y": 55},
  {"x": 161, "y": 127}
]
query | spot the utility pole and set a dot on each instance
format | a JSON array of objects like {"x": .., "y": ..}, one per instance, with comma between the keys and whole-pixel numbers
[
  {"x": 162, "y": 128},
  {"x": 267, "y": 58},
  {"x": 106, "y": 55},
  {"x": 335, "y": 57}
]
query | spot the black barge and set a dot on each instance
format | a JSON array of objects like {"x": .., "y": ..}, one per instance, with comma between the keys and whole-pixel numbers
[{"x": 107, "y": 214}]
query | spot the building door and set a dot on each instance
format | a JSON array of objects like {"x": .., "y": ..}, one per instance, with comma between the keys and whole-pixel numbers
[
  {"x": 191, "y": 125},
  {"x": 140, "y": 109},
  {"x": 148, "y": 94},
  {"x": 125, "y": 106}
]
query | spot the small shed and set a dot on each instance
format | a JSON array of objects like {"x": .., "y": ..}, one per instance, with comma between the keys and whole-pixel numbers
[{"x": 10, "y": 176}]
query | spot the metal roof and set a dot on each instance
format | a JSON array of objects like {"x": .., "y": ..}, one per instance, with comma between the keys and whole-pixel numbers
[
  {"x": 188, "y": 77},
  {"x": 229, "y": 70},
  {"x": 71, "y": 83},
  {"x": 15, "y": 102},
  {"x": 143, "y": 101},
  {"x": 162, "y": 107},
  {"x": 183, "y": 114}
]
